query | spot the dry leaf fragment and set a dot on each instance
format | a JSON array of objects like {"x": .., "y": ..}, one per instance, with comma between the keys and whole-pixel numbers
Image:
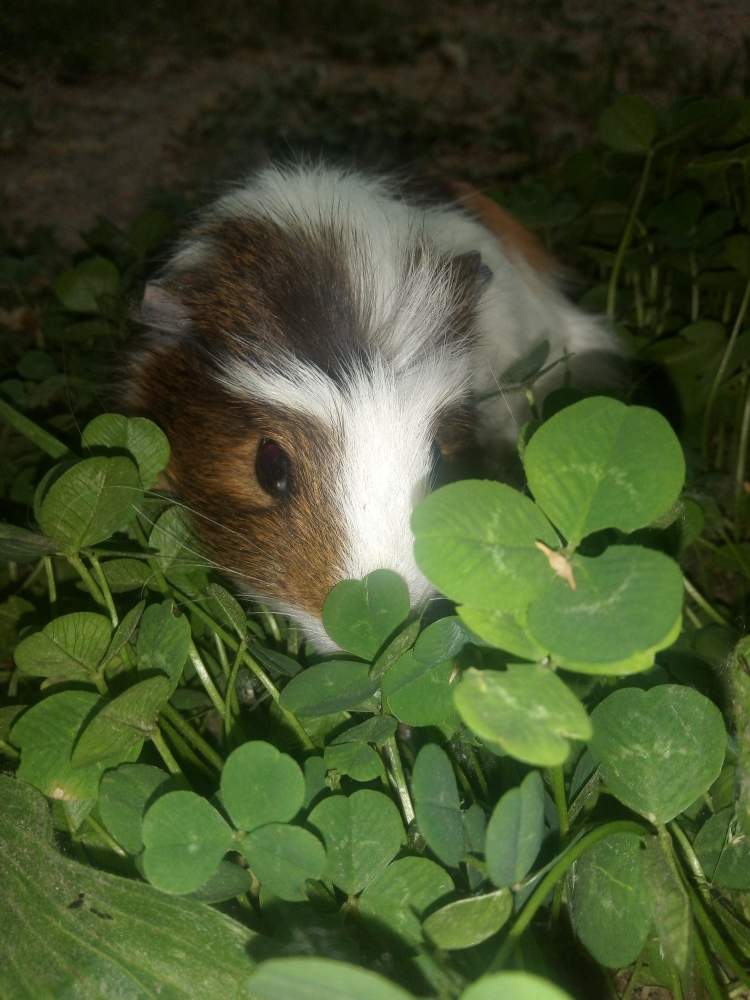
[{"x": 559, "y": 563}]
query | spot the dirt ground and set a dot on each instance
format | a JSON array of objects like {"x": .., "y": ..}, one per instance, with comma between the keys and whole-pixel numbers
[{"x": 480, "y": 89}]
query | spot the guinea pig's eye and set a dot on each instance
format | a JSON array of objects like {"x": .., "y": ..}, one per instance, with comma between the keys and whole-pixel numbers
[{"x": 273, "y": 468}]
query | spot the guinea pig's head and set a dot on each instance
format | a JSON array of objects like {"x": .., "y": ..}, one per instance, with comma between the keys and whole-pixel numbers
[{"x": 309, "y": 383}]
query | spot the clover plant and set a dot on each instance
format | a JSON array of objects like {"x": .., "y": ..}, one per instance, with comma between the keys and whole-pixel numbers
[{"x": 197, "y": 803}]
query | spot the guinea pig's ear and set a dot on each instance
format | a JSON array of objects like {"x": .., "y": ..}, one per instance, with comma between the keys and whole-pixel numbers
[
  {"x": 161, "y": 309},
  {"x": 516, "y": 239}
]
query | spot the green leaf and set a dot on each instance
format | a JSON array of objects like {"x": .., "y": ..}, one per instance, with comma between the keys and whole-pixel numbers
[
  {"x": 400, "y": 895},
  {"x": 441, "y": 641},
  {"x": 71, "y": 912},
  {"x": 163, "y": 641},
  {"x": 12, "y": 613},
  {"x": 121, "y": 726},
  {"x": 468, "y": 922},
  {"x": 69, "y": 647},
  {"x": 527, "y": 366},
  {"x": 513, "y": 986},
  {"x": 230, "y": 609},
  {"x": 283, "y": 858},
  {"x": 515, "y": 832},
  {"x": 669, "y": 904},
  {"x": 123, "y": 575},
  {"x": 629, "y": 125},
  {"x": 609, "y": 901},
  {"x": 185, "y": 838},
  {"x": 724, "y": 851},
  {"x": 46, "y": 734},
  {"x": 358, "y": 760},
  {"x": 124, "y": 793},
  {"x": 526, "y": 711},
  {"x": 124, "y": 632},
  {"x": 144, "y": 441},
  {"x": 173, "y": 540},
  {"x": 377, "y": 729},
  {"x": 362, "y": 833},
  {"x": 475, "y": 541},
  {"x": 21, "y": 546},
  {"x": 307, "y": 978},
  {"x": 395, "y": 649},
  {"x": 81, "y": 288},
  {"x": 627, "y": 605},
  {"x": 360, "y": 615},
  {"x": 585, "y": 467},
  {"x": 419, "y": 693},
  {"x": 228, "y": 881},
  {"x": 437, "y": 805},
  {"x": 90, "y": 501},
  {"x": 658, "y": 750},
  {"x": 328, "y": 687},
  {"x": 260, "y": 785},
  {"x": 502, "y": 630}
]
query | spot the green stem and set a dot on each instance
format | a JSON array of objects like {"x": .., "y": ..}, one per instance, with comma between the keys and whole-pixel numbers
[
  {"x": 627, "y": 236},
  {"x": 557, "y": 780},
  {"x": 165, "y": 753},
  {"x": 703, "y": 604},
  {"x": 271, "y": 624},
  {"x": 36, "y": 434},
  {"x": 166, "y": 588},
  {"x": 49, "y": 570},
  {"x": 222, "y": 654},
  {"x": 740, "y": 479},
  {"x": 558, "y": 870},
  {"x": 633, "y": 977},
  {"x": 205, "y": 678},
  {"x": 104, "y": 587},
  {"x": 192, "y": 737},
  {"x": 691, "y": 860},
  {"x": 231, "y": 701},
  {"x": 182, "y": 747},
  {"x": 9, "y": 751},
  {"x": 707, "y": 974},
  {"x": 398, "y": 779},
  {"x": 715, "y": 937},
  {"x": 723, "y": 364},
  {"x": 103, "y": 834},
  {"x": 78, "y": 565}
]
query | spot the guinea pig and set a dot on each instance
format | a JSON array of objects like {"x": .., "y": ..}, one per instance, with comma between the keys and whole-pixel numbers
[{"x": 314, "y": 344}]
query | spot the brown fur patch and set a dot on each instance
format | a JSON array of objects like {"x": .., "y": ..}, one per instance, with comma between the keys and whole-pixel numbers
[
  {"x": 515, "y": 238},
  {"x": 284, "y": 549}
]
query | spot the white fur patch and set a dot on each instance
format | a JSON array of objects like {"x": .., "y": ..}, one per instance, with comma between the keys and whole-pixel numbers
[{"x": 381, "y": 424}]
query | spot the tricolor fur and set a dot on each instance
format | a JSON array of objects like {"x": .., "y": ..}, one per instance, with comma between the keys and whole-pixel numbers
[{"x": 326, "y": 311}]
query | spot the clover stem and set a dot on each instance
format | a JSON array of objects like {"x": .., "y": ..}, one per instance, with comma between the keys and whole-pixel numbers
[
  {"x": 194, "y": 738},
  {"x": 105, "y": 836},
  {"x": 182, "y": 747},
  {"x": 572, "y": 853},
  {"x": 398, "y": 778},
  {"x": 691, "y": 859},
  {"x": 721, "y": 370},
  {"x": 78, "y": 565},
  {"x": 165, "y": 753},
  {"x": 49, "y": 570},
  {"x": 45, "y": 441},
  {"x": 104, "y": 587},
  {"x": 231, "y": 702},
  {"x": 205, "y": 678},
  {"x": 703, "y": 604},
  {"x": 627, "y": 236}
]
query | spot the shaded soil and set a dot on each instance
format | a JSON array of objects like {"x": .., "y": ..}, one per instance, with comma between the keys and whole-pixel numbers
[{"x": 480, "y": 90}]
